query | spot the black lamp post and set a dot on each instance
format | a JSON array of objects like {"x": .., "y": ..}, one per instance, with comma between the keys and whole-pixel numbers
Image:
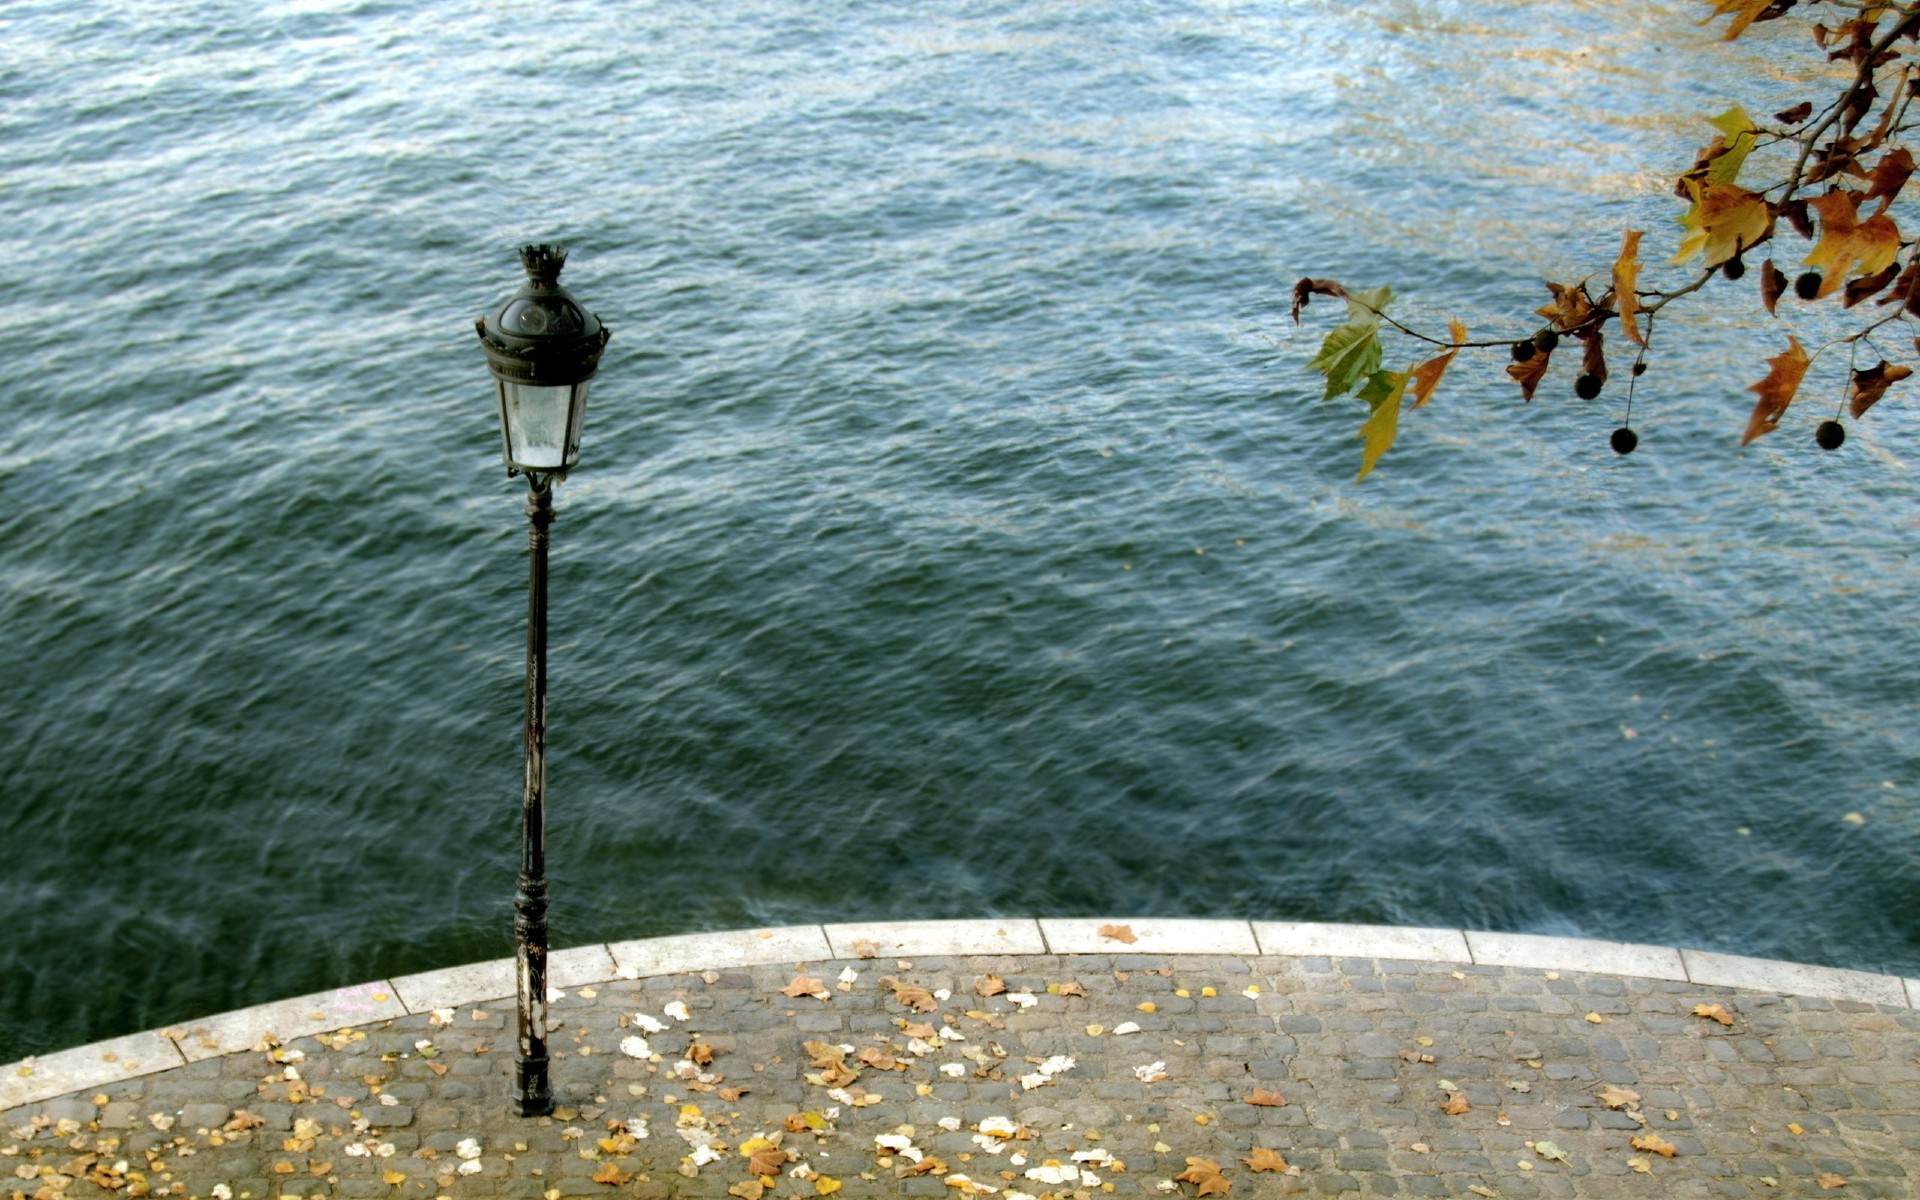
[{"x": 542, "y": 348}]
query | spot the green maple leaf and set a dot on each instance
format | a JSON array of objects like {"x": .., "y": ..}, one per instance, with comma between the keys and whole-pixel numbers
[
  {"x": 1352, "y": 352},
  {"x": 1383, "y": 395},
  {"x": 1739, "y": 131}
]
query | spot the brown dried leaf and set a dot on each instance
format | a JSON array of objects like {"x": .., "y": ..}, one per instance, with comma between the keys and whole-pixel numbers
[
  {"x": 807, "y": 985},
  {"x": 769, "y": 1160},
  {"x": 1619, "y": 1097},
  {"x": 1265, "y": 1160},
  {"x": 1120, "y": 933},
  {"x": 242, "y": 1121},
  {"x": 1828, "y": 1181},
  {"x": 1306, "y": 289},
  {"x": 1773, "y": 285},
  {"x": 1266, "y": 1099},
  {"x": 862, "y": 948},
  {"x": 881, "y": 1058},
  {"x": 1570, "y": 306},
  {"x": 732, "y": 1095},
  {"x": 1718, "y": 1012},
  {"x": 1864, "y": 392},
  {"x": 1424, "y": 378},
  {"x": 918, "y": 999},
  {"x": 824, "y": 1054},
  {"x": 1456, "y": 1104},
  {"x": 612, "y": 1176},
  {"x": 1529, "y": 373},
  {"x": 701, "y": 1054},
  {"x": 1777, "y": 389},
  {"x": 1796, "y": 114},
  {"x": 1859, "y": 289},
  {"x": 1890, "y": 175},
  {"x": 1204, "y": 1174},
  {"x": 991, "y": 985},
  {"x": 1070, "y": 988},
  {"x": 748, "y": 1189}
]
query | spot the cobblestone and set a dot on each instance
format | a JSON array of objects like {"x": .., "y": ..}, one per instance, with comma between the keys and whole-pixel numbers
[{"x": 1341, "y": 1066}]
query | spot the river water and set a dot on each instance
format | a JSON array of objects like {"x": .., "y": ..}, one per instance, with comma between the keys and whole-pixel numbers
[{"x": 959, "y": 530}]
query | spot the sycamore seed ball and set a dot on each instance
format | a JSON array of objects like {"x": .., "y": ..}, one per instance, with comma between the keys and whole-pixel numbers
[
  {"x": 1587, "y": 386},
  {"x": 1733, "y": 268},
  {"x": 1523, "y": 350},
  {"x": 1830, "y": 435},
  {"x": 1546, "y": 340},
  {"x": 1624, "y": 440},
  {"x": 1807, "y": 286}
]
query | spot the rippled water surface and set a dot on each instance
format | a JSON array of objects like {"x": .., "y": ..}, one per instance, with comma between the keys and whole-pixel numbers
[{"x": 959, "y": 532}]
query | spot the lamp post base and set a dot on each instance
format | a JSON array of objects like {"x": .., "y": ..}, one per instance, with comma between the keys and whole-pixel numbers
[{"x": 532, "y": 1094}]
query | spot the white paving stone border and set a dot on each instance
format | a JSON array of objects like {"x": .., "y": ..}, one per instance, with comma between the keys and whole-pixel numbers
[{"x": 48, "y": 1076}]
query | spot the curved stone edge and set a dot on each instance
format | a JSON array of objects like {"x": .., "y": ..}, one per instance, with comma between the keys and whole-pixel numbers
[{"x": 47, "y": 1076}]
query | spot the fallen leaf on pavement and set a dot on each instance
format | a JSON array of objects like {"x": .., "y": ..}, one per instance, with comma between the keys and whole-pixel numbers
[
  {"x": 1265, "y": 1160},
  {"x": 1714, "y": 1012},
  {"x": 1619, "y": 1097},
  {"x": 1120, "y": 933},
  {"x": 1204, "y": 1174},
  {"x": 807, "y": 985},
  {"x": 1653, "y": 1143},
  {"x": 1266, "y": 1099},
  {"x": 1456, "y": 1104}
]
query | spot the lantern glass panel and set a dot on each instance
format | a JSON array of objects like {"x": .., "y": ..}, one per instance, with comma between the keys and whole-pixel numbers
[{"x": 534, "y": 420}]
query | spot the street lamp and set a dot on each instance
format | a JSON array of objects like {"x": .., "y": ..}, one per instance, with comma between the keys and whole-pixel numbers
[{"x": 542, "y": 348}]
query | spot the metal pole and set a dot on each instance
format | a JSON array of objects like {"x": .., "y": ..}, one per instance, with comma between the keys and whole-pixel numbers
[{"x": 532, "y": 1092}]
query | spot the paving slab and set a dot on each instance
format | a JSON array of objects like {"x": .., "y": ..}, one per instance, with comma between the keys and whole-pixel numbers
[
  {"x": 1148, "y": 935},
  {"x": 1576, "y": 954},
  {"x": 577, "y": 966},
  {"x": 717, "y": 951},
  {"x": 64, "y": 1071},
  {"x": 906, "y": 939},
  {"x": 286, "y": 1020},
  {"x": 1310, "y": 939},
  {"x": 1792, "y": 979}
]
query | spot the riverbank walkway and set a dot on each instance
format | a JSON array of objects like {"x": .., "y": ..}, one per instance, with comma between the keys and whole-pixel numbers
[{"x": 1017, "y": 1058}]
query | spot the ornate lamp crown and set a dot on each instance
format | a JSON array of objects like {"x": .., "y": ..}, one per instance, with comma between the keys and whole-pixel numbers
[{"x": 543, "y": 263}]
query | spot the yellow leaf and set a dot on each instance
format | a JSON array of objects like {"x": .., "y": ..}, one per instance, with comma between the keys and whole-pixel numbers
[
  {"x": 1384, "y": 393},
  {"x": 1147, "y": 1006},
  {"x": 612, "y": 1176},
  {"x": 1265, "y": 1099},
  {"x": 826, "y": 1185},
  {"x": 1795, "y": 1130},
  {"x": 1724, "y": 220},
  {"x": 1619, "y": 1097},
  {"x": 1745, "y": 12},
  {"x": 1776, "y": 391},
  {"x": 1849, "y": 246},
  {"x": 1626, "y": 277},
  {"x": 393, "y": 1178},
  {"x": 1119, "y": 933},
  {"x": 1640, "y": 1164},
  {"x": 1595, "y": 1018},
  {"x": 1714, "y": 1012},
  {"x": 1653, "y": 1143}
]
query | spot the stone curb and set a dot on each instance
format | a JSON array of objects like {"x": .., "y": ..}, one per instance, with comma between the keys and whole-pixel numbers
[{"x": 47, "y": 1076}]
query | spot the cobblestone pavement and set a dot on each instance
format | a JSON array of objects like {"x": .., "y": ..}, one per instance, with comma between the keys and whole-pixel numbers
[{"x": 1087, "y": 1075}]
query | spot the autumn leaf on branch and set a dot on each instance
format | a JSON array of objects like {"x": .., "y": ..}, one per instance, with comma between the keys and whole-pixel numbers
[
  {"x": 1626, "y": 277},
  {"x": 1869, "y": 385},
  {"x": 1746, "y": 12},
  {"x": 1425, "y": 377},
  {"x": 1725, "y": 220},
  {"x": 1847, "y": 244},
  {"x": 1383, "y": 396},
  {"x": 1777, "y": 389},
  {"x": 1529, "y": 373},
  {"x": 1351, "y": 353}
]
